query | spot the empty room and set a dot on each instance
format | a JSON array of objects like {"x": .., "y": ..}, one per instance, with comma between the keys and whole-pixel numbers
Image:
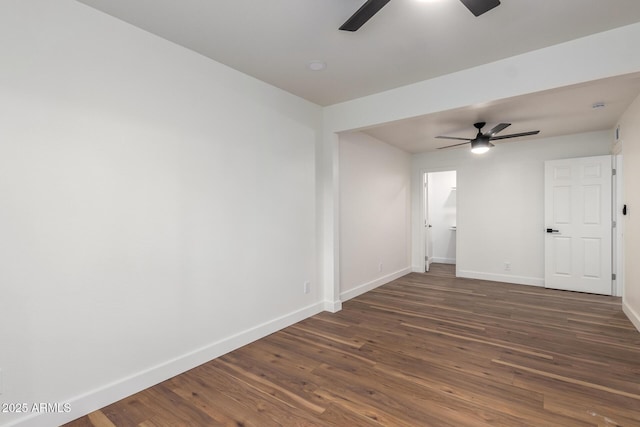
[{"x": 319, "y": 213}]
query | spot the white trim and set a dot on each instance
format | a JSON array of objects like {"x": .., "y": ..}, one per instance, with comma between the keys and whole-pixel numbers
[
  {"x": 618, "y": 232},
  {"x": 631, "y": 314},
  {"x": 332, "y": 306},
  {"x": 518, "y": 280},
  {"x": 366, "y": 287},
  {"x": 110, "y": 393},
  {"x": 444, "y": 260},
  {"x": 422, "y": 237},
  {"x": 329, "y": 217},
  {"x": 417, "y": 269}
]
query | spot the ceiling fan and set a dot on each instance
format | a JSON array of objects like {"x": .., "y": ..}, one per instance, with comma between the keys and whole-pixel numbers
[
  {"x": 481, "y": 143},
  {"x": 371, "y": 7}
]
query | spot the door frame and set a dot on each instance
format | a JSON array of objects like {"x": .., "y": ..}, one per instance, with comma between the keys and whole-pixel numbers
[
  {"x": 423, "y": 214},
  {"x": 617, "y": 253},
  {"x": 426, "y": 226}
]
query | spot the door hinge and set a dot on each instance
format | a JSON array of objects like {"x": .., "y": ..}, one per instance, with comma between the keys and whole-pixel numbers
[
  {"x": 614, "y": 172},
  {"x": 613, "y": 276},
  {"x": 615, "y": 224}
]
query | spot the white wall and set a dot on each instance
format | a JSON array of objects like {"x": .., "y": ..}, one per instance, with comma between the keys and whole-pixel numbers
[
  {"x": 375, "y": 210},
  {"x": 630, "y": 136},
  {"x": 500, "y": 204},
  {"x": 157, "y": 209},
  {"x": 442, "y": 215}
]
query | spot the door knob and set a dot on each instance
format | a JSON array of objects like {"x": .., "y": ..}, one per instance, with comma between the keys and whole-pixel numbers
[{"x": 551, "y": 230}]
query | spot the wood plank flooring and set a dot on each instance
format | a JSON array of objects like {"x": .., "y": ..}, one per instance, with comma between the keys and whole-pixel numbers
[{"x": 424, "y": 350}]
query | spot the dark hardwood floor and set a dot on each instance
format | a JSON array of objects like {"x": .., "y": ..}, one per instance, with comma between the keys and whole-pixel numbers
[
  {"x": 444, "y": 270},
  {"x": 425, "y": 350}
]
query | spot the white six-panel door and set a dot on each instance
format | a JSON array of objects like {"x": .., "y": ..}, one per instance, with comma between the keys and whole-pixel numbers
[{"x": 578, "y": 224}]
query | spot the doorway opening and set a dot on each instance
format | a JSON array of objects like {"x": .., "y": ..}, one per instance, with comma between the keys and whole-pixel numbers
[{"x": 440, "y": 222}]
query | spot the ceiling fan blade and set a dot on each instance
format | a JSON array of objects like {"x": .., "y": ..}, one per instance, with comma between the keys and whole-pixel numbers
[
  {"x": 478, "y": 7},
  {"x": 362, "y": 15},
  {"x": 454, "y": 145},
  {"x": 498, "y": 128},
  {"x": 515, "y": 135},
  {"x": 453, "y": 137}
]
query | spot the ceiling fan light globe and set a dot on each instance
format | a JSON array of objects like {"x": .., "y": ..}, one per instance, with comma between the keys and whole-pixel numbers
[{"x": 480, "y": 150}]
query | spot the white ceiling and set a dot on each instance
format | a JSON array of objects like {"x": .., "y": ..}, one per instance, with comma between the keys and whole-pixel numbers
[{"x": 406, "y": 42}]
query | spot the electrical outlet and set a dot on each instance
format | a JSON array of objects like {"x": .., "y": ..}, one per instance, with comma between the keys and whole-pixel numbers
[
  {"x": 307, "y": 287},
  {"x": 507, "y": 266}
]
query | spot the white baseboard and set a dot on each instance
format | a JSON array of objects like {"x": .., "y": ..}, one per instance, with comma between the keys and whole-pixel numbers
[
  {"x": 444, "y": 260},
  {"x": 110, "y": 393},
  {"x": 366, "y": 287},
  {"x": 519, "y": 280},
  {"x": 417, "y": 269},
  {"x": 633, "y": 316}
]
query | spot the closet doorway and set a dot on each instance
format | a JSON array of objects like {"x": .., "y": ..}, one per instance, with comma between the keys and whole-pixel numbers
[{"x": 440, "y": 220}]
